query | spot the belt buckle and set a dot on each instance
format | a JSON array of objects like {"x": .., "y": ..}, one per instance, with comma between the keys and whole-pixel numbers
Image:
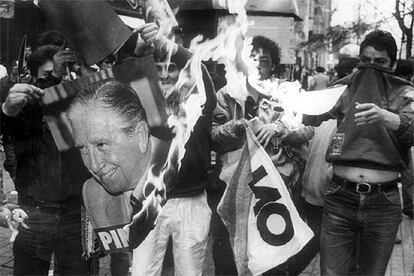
[{"x": 363, "y": 188}]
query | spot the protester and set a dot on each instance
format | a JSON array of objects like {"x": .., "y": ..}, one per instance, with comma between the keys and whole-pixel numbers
[
  {"x": 319, "y": 80},
  {"x": 48, "y": 182},
  {"x": 306, "y": 76},
  {"x": 297, "y": 72},
  {"x": 229, "y": 121},
  {"x": 368, "y": 151},
  {"x": 405, "y": 70},
  {"x": 185, "y": 217},
  {"x": 345, "y": 67}
]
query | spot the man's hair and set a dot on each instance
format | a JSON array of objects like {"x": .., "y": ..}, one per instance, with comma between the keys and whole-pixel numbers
[
  {"x": 320, "y": 69},
  {"x": 115, "y": 96},
  {"x": 40, "y": 56},
  {"x": 381, "y": 41},
  {"x": 267, "y": 45},
  {"x": 405, "y": 68},
  {"x": 50, "y": 37}
]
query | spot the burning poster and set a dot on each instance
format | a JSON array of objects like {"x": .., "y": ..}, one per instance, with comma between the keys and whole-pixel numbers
[
  {"x": 161, "y": 156},
  {"x": 110, "y": 206}
]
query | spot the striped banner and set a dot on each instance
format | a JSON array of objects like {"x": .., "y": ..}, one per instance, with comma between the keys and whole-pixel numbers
[{"x": 264, "y": 226}]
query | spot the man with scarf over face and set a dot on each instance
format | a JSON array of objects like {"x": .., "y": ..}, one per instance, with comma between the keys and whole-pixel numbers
[{"x": 362, "y": 208}]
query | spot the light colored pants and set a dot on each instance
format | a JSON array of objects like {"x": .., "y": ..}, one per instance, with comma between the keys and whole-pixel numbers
[{"x": 187, "y": 221}]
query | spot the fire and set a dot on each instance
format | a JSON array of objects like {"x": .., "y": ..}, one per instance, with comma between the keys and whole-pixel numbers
[
  {"x": 229, "y": 47},
  {"x": 159, "y": 11},
  {"x": 233, "y": 49}
]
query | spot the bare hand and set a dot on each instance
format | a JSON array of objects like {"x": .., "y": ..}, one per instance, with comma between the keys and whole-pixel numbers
[
  {"x": 19, "y": 95},
  {"x": 14, "y": 219},
  {"x": 371, "y": 113},
  {"x": 265, "y": 133},
  {"x": 150, "y": 33},
  {"x": 60, "y": 61}
]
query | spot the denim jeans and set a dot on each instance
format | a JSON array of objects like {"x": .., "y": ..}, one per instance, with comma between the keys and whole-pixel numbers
[
  {"x": 221, "y": 250},
  {"x": 57, "y": 232},
  {"x": 407, "y": 179},
  {"x": 361, "y": 226}
]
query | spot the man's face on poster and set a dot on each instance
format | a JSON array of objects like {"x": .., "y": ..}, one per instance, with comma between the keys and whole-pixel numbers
[
  {"x": 111, "y": 149},
  {"x": 168, "y": 74},
  {"x": 371, "y": 55}
]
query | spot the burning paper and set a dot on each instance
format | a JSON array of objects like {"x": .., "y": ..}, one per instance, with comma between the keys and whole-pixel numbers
[{"x": 159, "y": 11}]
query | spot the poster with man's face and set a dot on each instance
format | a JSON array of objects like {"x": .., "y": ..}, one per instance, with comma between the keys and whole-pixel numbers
[{"x": 115, "y": 155}]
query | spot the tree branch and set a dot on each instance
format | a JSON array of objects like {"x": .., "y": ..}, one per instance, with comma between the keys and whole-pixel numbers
[{"x": 399, "y": 18}]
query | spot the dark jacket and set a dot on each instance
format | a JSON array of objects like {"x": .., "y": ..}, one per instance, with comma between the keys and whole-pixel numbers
[
  {"x": 226, "y": 138},
  {"x": 192, "y": 178},
  {"x": 372, "y": 146},
  {"x": 44, "y": 176}
]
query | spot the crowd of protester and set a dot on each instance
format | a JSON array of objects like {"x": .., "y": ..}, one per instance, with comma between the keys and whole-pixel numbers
[{"x": 347, "y": 193}]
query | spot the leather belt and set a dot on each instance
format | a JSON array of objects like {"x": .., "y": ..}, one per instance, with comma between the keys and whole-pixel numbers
[{"x": 365, "y": 187}]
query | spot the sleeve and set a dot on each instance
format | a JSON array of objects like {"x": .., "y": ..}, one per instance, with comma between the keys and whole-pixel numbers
[
  {"x": 5, "y": 85},
  {"x": 405, "y": 132},
  {"x": 181, "y": 58},
  {"x": 211, "y": 99},
  {"x": 31, "y": 115},
  {"x": 226, "y": 135},
  {"x": 300, "y": 136}
]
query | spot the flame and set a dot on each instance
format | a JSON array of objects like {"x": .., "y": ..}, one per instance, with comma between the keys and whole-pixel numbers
[
  {"x": 231, "y": 48},
  {"x": 159, "y": 11},
  {"x": 282, "y": 94}
]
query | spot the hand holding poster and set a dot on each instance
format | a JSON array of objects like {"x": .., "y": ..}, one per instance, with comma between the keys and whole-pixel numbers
[{"x": 264, "y": 227}]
